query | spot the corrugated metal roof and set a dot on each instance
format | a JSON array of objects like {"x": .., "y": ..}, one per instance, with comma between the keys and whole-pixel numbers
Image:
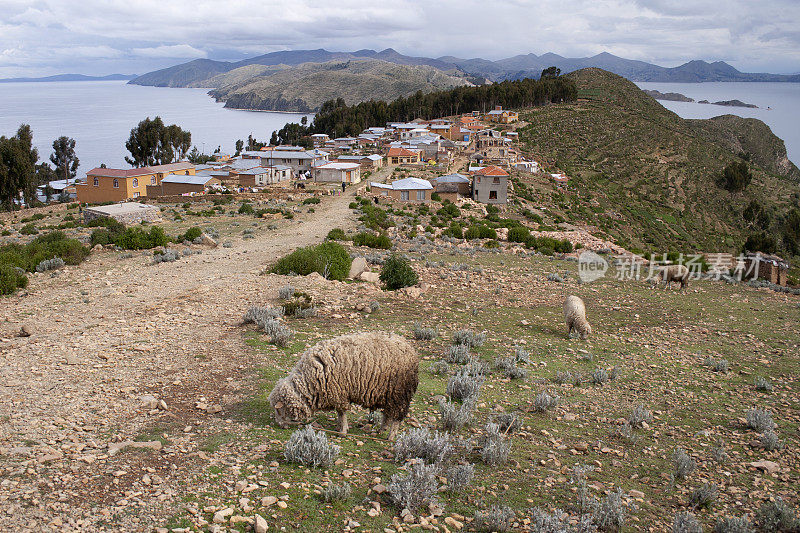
[
  {"x": 197, "y": 179},
  {"x": 411, "y": 183}
]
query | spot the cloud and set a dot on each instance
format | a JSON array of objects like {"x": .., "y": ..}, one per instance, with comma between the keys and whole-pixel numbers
[
  {"x": 36, "y": 36},
  {"x": 177, "y": 51}
]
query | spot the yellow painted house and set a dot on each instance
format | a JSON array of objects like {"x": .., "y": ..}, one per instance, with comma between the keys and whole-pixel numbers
[{"x": 116, "y": 184}]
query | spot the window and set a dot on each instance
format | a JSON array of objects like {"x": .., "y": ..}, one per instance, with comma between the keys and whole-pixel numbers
[
  {"x": 492, "y": 195},
  {"x": 404, "y": 195},
  {"x": 420, "y": 195},
  {"x": 96, "y": 182},
  {"x": 136, "y": 194},
  {"x": 385, "y": 192},
  {"x": 497, "y": 180},
  {"x": 116, "y": 183},
  {"x": 187, "y": 172},
  {"x": 153, "y": 180},
  {"x": 135, "y": 182}
]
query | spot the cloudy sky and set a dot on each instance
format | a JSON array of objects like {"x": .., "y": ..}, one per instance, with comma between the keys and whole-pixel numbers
[{"x": 99, "y": 37}]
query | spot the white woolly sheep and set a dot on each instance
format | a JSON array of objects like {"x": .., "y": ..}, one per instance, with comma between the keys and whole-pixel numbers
[
  {"x": 373, "y": 370},
  {"x": 678, "y": 273},
  {"x": 575, "y": 317}
]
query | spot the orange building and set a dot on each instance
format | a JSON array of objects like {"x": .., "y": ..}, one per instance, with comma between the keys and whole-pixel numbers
[
  {"x": 117, "y": 184},
  {"x": 402, "y": 156}
]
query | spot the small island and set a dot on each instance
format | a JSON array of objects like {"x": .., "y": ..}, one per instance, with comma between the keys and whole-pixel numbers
[
  {"x": 729, "y": 103},
  {"x": 672, "y": 97}
]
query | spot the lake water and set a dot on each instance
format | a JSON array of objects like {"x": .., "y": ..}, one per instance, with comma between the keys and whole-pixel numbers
[
  {"x": 99, "y": 116},
  {"x": 778, "y": 105}
]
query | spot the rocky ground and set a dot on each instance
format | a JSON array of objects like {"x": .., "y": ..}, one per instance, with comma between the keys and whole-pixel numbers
[{"x": 137, "y": 403}]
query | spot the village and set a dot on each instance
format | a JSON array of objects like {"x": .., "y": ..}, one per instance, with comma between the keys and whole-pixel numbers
[{"x": 468, "y": 159}]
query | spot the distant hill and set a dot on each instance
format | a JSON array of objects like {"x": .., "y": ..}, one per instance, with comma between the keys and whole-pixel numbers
[
  {"x": 647, "y": 177},
  {"x": 305, "y": 87},
  {"x": 195, "y": 73},
  {"x": 71, "y": 77}
]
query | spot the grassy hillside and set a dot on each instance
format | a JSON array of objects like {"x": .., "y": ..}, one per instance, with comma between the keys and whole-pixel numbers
[
  {"x": 648, "y": 177},
  {"x": 305, "y": 87}
]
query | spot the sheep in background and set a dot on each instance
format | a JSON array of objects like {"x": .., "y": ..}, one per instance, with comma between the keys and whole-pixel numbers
[
  {"x": 679, "y": 273},
  {"x": 373, "y": 370},
  {"x": 575, "y": 317}
]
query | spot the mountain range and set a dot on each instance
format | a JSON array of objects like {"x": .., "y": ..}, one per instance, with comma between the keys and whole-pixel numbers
[
  {"x": 520, "y": 66},
  {"x": 71, "y": 77}
]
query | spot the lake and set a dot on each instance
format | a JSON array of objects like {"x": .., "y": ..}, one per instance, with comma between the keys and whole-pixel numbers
[
  {"x": 99, "y": 115},
  {"x": 778, "y": 105}
]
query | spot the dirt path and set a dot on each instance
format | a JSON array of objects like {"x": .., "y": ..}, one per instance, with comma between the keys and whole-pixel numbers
[{"x": 109, "y": 331}]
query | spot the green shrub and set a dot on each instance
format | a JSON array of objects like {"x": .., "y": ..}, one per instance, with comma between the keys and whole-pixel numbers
[
  {"x": 330, "y": 259},
  {"x": 29, "y": 229},
  {"x": 371, "y": 240},
  {"x": 312, "y": 200},
  {"x": 42, "y": 248},
  {"x": 519, "y": 234},
  {"x": 246, "y": 209},
  {"x": 190, "y": 235},
  {"x": 397, "y": 273},
  {"x": 454, "y": 231},
  {"x": 480, "y": 231},
  {"x": 449, "y": 210},
  {"x": 336, "y": 234},
  {"x": 11, "y": 279},
  {"x": 435, "y": 197},
  {"x": 138, "y": 239}
]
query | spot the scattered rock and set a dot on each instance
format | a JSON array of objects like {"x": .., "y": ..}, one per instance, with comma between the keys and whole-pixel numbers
[
  {"x": 769, "y": 467},
  {"x": 261, "y": 525},
  {"x": 268, "y": 501},
  {"x": 26, "y": 331},
  {"x": 220, "y": 517},
  {"x": 115, "y": 447}
]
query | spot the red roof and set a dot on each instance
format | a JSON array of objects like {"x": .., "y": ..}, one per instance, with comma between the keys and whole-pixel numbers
[
  {"x": 401, "y": 152},
  {"x": 491, "y": 170},
  {"x": 142, "y": 171}
]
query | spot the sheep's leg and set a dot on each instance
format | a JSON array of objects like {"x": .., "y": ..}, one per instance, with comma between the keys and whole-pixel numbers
[
  {"x": 394, "y": 425},
  {"x": 342, "y": 423}
]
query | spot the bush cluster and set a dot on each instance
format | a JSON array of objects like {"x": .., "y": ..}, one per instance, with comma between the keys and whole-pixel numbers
[
  {"x": 421, "y": 443},
  {"x": 330, "y": 259},
  {"x": 380, "y": 241}
]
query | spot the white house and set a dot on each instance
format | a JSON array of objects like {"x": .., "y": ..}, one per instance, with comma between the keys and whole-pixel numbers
[{"x": 338, "y": 172}]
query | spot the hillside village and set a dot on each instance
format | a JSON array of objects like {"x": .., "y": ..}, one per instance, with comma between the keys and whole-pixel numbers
[{"x": 139, "y": 366}]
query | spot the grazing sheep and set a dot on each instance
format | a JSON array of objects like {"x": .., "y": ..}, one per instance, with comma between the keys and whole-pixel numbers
[
  {"x": 575, "y": 317},
  {"x": 373, "y": 370},
  {"x": 679, "y": 273}
]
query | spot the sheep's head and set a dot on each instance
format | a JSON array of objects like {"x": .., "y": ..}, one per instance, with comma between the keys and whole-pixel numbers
[
  {"x": 288, "y": 404},
  {"x": 586, "y": 331}
]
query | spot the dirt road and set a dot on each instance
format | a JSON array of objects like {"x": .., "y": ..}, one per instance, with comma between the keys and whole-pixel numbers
[{"x": 109, "y": 331}]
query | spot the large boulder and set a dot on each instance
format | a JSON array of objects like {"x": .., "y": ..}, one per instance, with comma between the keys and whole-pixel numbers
[
  {"x": 372, "y": 277},
  {"x": 358, "y": 266},
  {"x": 206, "y": 240}
]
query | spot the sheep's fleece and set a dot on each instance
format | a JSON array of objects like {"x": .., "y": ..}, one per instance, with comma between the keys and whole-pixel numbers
[
  {"x": 575, "y": 317},
  {"x": 373, "y": 370}
]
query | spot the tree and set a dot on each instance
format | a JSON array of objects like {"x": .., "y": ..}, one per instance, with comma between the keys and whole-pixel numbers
[
  {"x": 196, "y": 158},
  {"x": 735, "y": 177},
  {"x": 64, "y": 158},
  {"x": 17, "y": 167},
  {"x": 551, "y": 73},
  {"x": 153, "y": 143},
  {"x": 239, "y": 147},
  {"x": 48, "y": 193}
]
